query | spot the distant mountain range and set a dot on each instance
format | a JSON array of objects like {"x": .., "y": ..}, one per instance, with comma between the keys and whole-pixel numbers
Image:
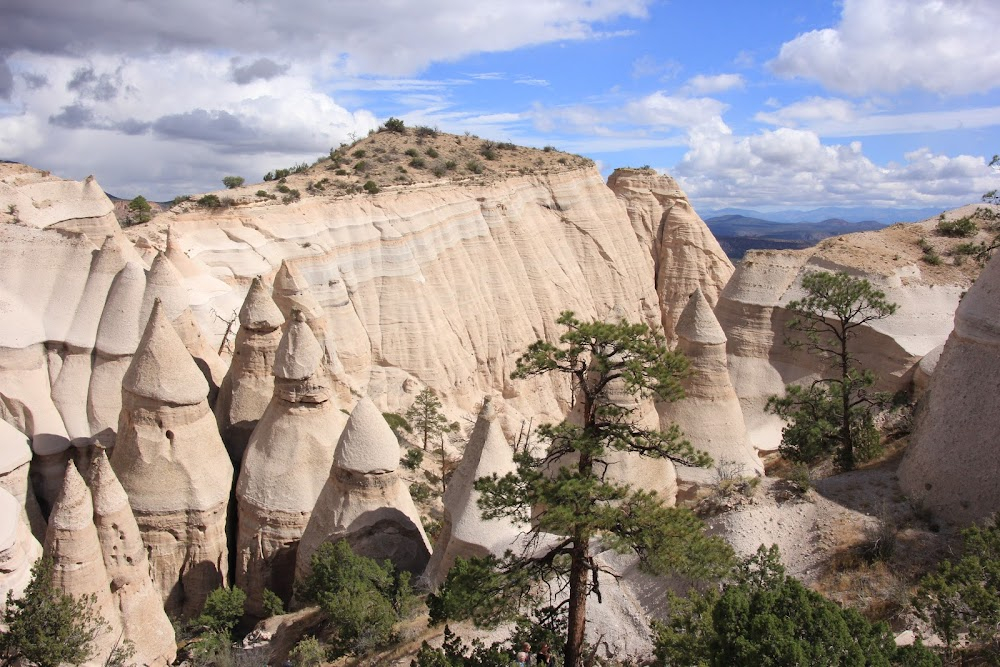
[
  {"x": 739, "y": 233},
  {"x": 886, "y": 216}
]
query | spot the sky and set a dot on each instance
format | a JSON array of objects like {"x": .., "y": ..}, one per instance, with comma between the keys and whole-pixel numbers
[{"x": 765, "y": 105}]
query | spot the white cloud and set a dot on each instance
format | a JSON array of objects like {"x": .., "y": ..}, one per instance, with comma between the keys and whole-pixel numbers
[
  {"x": 793, "y": 167},
  {"x": 833, "y": 117},
  {"x": 943, "y": 46},
  {"x": 708, "y": 85},
  {"x": 661, "y": 110}
]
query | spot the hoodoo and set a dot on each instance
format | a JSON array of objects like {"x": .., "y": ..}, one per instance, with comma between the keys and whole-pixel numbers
[
  {"x": 465, "y": 533},
  {"x": 953, "y": 459},
  {"x": 18, "y": 548},
  {"x": 171, "y": 461},
  {"x": 246, "y": 391},
  {"x": 364, "y": 500},
  {"x": 709, "y": 415},
  {"x": 72, "y": 543},
  {"x": 286, "y": 465},
  {"x": 144, "y": 621}
]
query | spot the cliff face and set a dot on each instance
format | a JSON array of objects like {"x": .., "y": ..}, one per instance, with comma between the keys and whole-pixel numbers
[{"x": 441, "y": 285}]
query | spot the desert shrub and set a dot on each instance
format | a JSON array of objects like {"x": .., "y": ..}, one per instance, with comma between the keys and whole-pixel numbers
[
  {"x": 439, "y": 170},
  {"x": 397, "y": 422},
  {"x": 361, "y": 599},
  {"x": 273, "y": 606},
  {"x": 450, "y": 165},
  {"x": 963, "y": 227},
  {"x": 488, "y": 153},
  {"x": 212, "y": 649},
  {"x": 341, "y": 172},
  {"x": 361, "y": 166},
  {"x": 393, "y": 125},
  {"x": 283, "y": 188},
  {"x": 424, "y": 131},
  {"x": 224, "y": 607},
  {"x": 140, "y": 211},
  {"x": 263, "y": 193},
  {"x": 800, "y": 476},
  {"x": 932, "y": 257},
  {"x": 308, "y": 653},
  {"x": 420, "y": 492},
  {"x": 966, "y": 249},
  {"x": 474, "y": 167},
  {"x": 411, "y": 152},
  {"x": 179, "y": 199},
  {"x": 210, "y": 201},
  {"x": 880, "y": 538},
  {"x": 292, "y": 195},
  {"x": 431, "y": 153},
  {"x": 412, "y": 459},
  {"x": 358, "y": 154},
  {"x": 562, "y": 160},
  {"x": 418, "y": 163},
  {"x": 371, "y": 187},
  {"x": 731, "y": 480},
  {"x": 232, "y": 182},
  {"x": 549, "y": 149}
]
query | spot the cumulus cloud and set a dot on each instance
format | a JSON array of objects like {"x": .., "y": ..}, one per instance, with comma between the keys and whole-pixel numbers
[
  {"x": 708, "y": 85},
  {"x": 262, "y": 69},
  {"x": 793, "y": 167},
  {"x": 6, "y": 80},
  {"x": 892, "y": 45}
]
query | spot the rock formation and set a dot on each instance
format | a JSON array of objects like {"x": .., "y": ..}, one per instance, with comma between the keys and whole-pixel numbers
[
  {"x": 18, "y": 548},
  {"x": 247, "y": 388},
  {"x": 15, "y": 458},
  {"x": 78, "y": 563},
  {"x": 171, "y": 461},
  {"x": 144, "y": 621},
  {"x": 286, "y": 466},
  {"x": 464, "y": 533},
  {"x": 953, "y": 458},
  {"x": 709, "y": 415},
  {"x": 364, "y": 500},
  {"x": 685, "y": 254}
]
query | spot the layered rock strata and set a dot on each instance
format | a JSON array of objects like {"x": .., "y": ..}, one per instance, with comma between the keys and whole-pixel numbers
[
  {"x": 685, "y": 254},
  {"x": 464, "y": 532},
  {"x": 287, "y": 464},
  {"x": 144, "y": 622},
  {"x": 952, "y": 462},
  {"x": 78, "y": 568},
  {"x": 365, "y": 501},
  {"x": 709, "y": 415},
  {"x": 248, "y": 386},
  {"x": 172, "y": 463}
]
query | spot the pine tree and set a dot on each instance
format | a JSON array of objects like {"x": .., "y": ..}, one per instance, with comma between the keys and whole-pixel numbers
[
  {"x": 425, "y": 416},
  {"x": 577, "y": 507}
]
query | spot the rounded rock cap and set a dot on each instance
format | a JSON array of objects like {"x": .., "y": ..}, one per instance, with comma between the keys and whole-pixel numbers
[
  {"x": 299, "y": 354},
  {"x": 367, "y": 445},
  {"x": 74, "y": 508},
  {"x": 259, "y": 312},
  {"x": 162, "y": 368},
  {"x": 108, "y": 494},
  {"x": 698, "y": 324}
]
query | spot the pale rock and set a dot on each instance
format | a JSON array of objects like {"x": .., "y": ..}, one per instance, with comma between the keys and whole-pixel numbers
[
  {"x": 709, "y": 415},
  {"x": 365, "y": 501},
  {"x": 144, "y": 621},
  {"x": 685, "y": 254},
  {"x": 287, "y": 461},
  {"x": 924, "y": 371},
  {"x": 953, "y": 459},
  {"x": 247, "y": 388},
  {"x": 464, "y": 532},
  {"x": 171, "y": 461},
  {"x": 18, "y": 548},
  {"x": 15, "y": 458},
  {"x": 72, "y": 543}
]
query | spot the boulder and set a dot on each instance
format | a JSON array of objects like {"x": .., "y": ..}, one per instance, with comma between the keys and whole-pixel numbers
[{"x": 286, "y": 465}]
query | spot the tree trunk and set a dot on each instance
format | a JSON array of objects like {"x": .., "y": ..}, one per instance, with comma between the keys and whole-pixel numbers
[
  {"x": 577, "y": 625},
  {"x": 846, "y": 439}
]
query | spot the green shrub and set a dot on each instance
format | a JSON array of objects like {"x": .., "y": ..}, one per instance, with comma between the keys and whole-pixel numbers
[
  {"x": 423, "y": 131},
  {"x": 263, "y": 193},
  {"x": 562, "y": 160},
  {"x": 412, "y": 459},
  {"x": 293, "y": 195},
  {"x": 418, "y": 163},
  {"x": 439, "y": 171},
  {"x": 308, "y": 653},
  {"x": 371, "y": 187},
  {"x": 140, "y": 211},
  {"x": 488, "y": 152},
  {"x": 397, "y": 422},
  {"x": 232, "y": 182},
  {"x": 393, "y": 125},
  {"x": 361, "y": 166},
  {"x": 931, "y": 257},
  {"x": 358, "y": 154},
  {"x": 273, "y": 606},
  {"x": 361, "y": 599},
  {"x": 420, "y": 492},
  {"x": 411, "y": 152},
  {"x": 180, "y": 198},
  {"x": 224, "y": 607},
  {"x": 284, "y": 189},
  {"x": 966, "y": 249},
  {"x": 341, "y": 172},
  {"x": 210, "y": 201},
  {"x": 213, "y": 649},
  {"x": 549, "y": 149},
  {"x": 450, "y": 165},
  {"x": 474, "y": 167},
  {"x": 431, "y": 153},
  {"x": 963, "y": 227}
]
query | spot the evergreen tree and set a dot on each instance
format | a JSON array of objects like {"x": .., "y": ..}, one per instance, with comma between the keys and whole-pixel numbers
[
  {"x": 425, "y": 416},
  {"x": 832, "y": 414},
  {"x": 47, "y": 627},
  {"x": 576, "y": 505},
  {"x": 140, "y": 211}
]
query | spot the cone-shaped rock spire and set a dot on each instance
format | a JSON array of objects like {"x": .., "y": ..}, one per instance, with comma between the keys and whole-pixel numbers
[
  {"x": 249, "y": 383},
  {"x": 464, "y": 531},
  {"x": 72, "y": 543},
  {"x": 709, "y": 415},
  {"x": 144, "y": 621},
  {"x": 364, "y": 501},
  {"x": 286, "y": 464},
  {"x": 171, "y": 461}
]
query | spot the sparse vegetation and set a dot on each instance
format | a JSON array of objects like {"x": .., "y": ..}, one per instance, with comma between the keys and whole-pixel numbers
[
  {"x": 393, "y": 125},
  {"x": 140, "y": 211},
  {"x": 961, "y": 228},
  {"x": 232, "y": 182},
  {"x": 371, "y": 187},
  {"x": 210, "y": 201}
]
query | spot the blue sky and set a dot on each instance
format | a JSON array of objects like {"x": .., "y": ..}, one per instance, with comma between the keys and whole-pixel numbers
[{"x": 762, "y": 105}]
